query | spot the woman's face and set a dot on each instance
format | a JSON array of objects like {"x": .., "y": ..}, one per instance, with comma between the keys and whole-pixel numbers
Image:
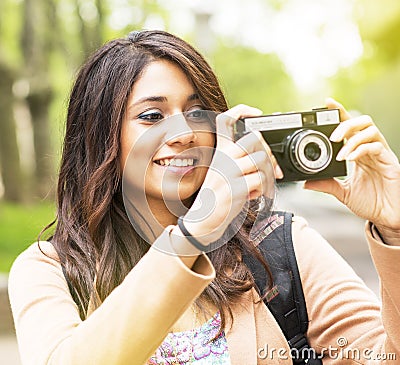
[{"x": 164, "y": 153}]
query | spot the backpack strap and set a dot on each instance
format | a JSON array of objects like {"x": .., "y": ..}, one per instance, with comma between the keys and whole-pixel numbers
[{"x": 285, "y": 299}]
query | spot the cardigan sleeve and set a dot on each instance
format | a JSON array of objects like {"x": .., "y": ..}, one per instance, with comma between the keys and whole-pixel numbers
[
  {"x": 125, "y": 329},
  {"x": 348, "y": 324}
]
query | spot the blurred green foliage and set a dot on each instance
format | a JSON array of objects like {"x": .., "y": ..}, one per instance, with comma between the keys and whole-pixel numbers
[
  {"x": 370, "y": 86},
  {"x": 250, "y": 77},
  {"x": 20, "y": 227}
]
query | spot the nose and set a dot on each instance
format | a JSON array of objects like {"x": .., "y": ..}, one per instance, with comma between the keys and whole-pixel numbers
[{"x": 179, "y": 132}]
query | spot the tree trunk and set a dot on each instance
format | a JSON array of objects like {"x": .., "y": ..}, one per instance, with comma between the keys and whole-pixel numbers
[
  {"x": 100, "y": 26},
  {"x": 9, "y": 154},
  {"x": 92, "y": 32},
  {"x": 37, "y": 45},
  {"x": 39, "y": 103}
]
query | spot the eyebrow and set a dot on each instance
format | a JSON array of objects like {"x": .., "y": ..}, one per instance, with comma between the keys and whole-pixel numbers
[{"x": 160, "y": 99}]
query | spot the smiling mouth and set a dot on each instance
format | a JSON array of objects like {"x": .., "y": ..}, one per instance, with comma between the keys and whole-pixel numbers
[{"x": 176, "y": 162}]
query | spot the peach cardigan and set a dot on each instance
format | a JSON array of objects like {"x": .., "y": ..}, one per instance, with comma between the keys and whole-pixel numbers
[{"x": 135, "y": 318}]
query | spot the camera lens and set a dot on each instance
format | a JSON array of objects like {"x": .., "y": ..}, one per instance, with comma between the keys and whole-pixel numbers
[{"x": 310, "y": 151}]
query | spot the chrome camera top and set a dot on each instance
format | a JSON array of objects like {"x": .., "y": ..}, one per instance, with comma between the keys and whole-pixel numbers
[{"x": 300, "y": 142}]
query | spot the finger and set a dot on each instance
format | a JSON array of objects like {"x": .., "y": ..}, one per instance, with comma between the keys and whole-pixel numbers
[
  {"x": 367, "y": 149},
  {"x": 254, "y": 141},
  {"x": 368, "y": 135},
  {"x": 349, "y": 127},
  {"x": 256, "y": 162},
  {"x": 333, "y": 104},
  {"x": 242, "y": 111},
  {"x": 330, "y": 186},
  {"x": 277, "y": 170},
  {"x": 251, "y": 142},
  {"x": 255, "y": 184},
  {"x": 254, "y": 195},
  {"x": 226, "y": 120},
  {"x": 246, "y": 145},
  {"x": 250, "y": 163},
  {"x": 261, "y": 181}
]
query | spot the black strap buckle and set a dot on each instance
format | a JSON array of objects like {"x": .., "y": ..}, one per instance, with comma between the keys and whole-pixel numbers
[{"x": 300, "y": 349}]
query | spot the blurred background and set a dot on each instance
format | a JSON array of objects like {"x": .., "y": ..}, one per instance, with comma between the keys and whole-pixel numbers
[{"x": 277, "y": 55}]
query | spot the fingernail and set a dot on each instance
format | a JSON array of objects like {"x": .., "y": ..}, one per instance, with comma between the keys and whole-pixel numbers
[
  {"x": 336, "y": 136},
  {"x": 330, "y": 100},
  {"x": 278, "y": 172},
  {"x": 341, "y": 155}
]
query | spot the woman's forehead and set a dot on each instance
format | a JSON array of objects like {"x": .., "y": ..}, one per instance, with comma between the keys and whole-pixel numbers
[{"x": 161, "y": 78}]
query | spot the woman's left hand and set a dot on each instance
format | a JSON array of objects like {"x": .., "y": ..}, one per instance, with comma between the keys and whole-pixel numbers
[{"x": 372, "y": 191}]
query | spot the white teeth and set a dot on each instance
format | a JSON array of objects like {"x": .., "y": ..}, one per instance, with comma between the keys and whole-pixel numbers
[{"x": 177, "y": 162}]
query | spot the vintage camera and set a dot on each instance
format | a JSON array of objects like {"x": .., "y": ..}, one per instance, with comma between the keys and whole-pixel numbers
[{"x": 300, "y": 142}]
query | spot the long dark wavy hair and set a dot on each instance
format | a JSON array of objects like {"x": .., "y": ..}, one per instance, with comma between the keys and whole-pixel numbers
[{"x": 96, "y": 244}]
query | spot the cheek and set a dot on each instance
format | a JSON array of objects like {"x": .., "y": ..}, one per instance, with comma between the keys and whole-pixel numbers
[
  {"x": 124, "y": 147},
  {"x": 134, "y": 144},
  {"x": 127, "y": 138},
  {"x": 206, "y": 139}
]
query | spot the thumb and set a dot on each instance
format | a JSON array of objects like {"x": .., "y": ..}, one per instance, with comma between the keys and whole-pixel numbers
[
  {"x": 329, "y": 186},
  {"x": 225, "y": 121},
  {"x": 224, "y": 129},
  {"x": 332, "y": 104}
]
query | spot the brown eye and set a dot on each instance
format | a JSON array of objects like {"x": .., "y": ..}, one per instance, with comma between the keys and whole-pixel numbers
[
  {"x": 151, "y": 116},
  {"x": 198, "y": 116}
]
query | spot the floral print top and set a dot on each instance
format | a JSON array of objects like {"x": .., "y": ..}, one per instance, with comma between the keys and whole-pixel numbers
[{"x": 197, "y": 346}]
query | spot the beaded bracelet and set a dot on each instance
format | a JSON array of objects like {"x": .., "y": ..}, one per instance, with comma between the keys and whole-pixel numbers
[{"x": 189, "y": 237}]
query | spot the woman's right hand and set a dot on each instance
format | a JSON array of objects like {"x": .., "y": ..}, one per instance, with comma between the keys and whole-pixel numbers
[{"x": 239, "y": 171}]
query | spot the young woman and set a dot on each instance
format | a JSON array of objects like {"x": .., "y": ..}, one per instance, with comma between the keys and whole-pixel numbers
[{"x": 122, "y": 284}]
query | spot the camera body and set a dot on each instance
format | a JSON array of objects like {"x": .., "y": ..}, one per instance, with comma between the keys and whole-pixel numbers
[{"x": 300, "y": 142}]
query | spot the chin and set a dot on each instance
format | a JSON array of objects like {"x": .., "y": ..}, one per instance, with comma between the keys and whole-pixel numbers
[{"x": 183, "y": 196}]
